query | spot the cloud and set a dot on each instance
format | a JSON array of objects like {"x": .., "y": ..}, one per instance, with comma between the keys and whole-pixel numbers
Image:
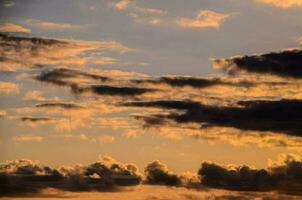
[
  {"x": 182, "y": 81},
  {"x": 143, "y": 15},
  {"x": 3, "y": 113},
  {"x": 276, "y": 116},
  {"x": 34, "y": 96},
  {"x": 158, "y": 174},
  {"x": 122, "y": 4},
  {"x": 68, "y": 106},
  {"x": 42, "y": 51},
  {"x": 282, "y": 3},
  {"x": 28, "y": 138},
  {"x": 51, "y": 25},
  {"x": 284, "y": 178},
  {"x": 204, "y": 19},
  {"x": 106, "y": 139},
  {"x": 8, "y": 87},
  {"x": 112, "y": 90},
  {"x": 8, "y": 3},
  {"x": 69, "y": 77},
  {"x": 13, "y": 28},
  {"x": 284, "y": 63},
  {"x": 29, "y": 177}
]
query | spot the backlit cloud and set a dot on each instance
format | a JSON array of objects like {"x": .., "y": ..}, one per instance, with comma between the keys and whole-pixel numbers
[
  {"x": 284, "y": 63},
  {"x": 42, "y": 51}
]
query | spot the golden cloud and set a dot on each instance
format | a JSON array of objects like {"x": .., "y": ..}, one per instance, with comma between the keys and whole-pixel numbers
[
  {"x": 13, "y": 28},
  {"x": 282, "y": 3},
  {"x": 204, "y": 19},
  {"x": 8, "y": 87}
]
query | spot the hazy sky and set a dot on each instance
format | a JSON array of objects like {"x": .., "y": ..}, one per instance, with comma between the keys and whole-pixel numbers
[{"x": 144, "y": 80}]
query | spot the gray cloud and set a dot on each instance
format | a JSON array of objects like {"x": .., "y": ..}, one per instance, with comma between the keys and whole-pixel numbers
[
  {"x": 278, "y": 116},
  {"x": 158, "y": 174},
  {"x": 27, "y": 177},
  {"x": 284, "y": 63},
  {"x": 284, "y": 178},
  {"x": 112, "y": 90}
]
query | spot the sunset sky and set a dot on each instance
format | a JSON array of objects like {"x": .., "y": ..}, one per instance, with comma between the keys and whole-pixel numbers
[{"x": 191, "y": 89}]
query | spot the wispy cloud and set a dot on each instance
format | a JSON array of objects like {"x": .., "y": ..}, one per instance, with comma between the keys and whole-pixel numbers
[
  {"x": 8, "y": 87},
  {"x": 43, "y": 51},
  {"x": 51, "y": 25},
  {"x": 282, "y": 3},
  {"x": 34, "y": 96},
  {"x": 204, "y": 19},
  {"x": 28, "y": 138}
]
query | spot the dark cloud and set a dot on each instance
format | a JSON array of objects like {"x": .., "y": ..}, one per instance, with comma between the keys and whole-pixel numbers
[
  {"x": 283, "y": 178},
  {"x": 112, "y": 90},
  {"x": 27, "y": 177},
  {"x": 60, "y": 76},
  {"x": 277, "y": 116},
  {"x": 183, "y": 81},
  {"x": 60, "y": 105},
  {"x": 158, "y": 174},
  {"x": 285, "y": 63},
  {"x": 36, "y": 119},
  {"x": 33, "y": 40}
]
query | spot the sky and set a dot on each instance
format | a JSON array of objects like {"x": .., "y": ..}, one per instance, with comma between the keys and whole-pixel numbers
[{"x": 197, "y": 94}]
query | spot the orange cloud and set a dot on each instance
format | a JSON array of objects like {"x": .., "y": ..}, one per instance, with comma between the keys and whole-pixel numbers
[
  {"x": 8, "y": 88},
  {"x": 43, "y": 51},
  {"x": 204, "y": 19},
  {"x": 28, "y": 138},
  {"x": 34, "y": 96},
  {"x": 282, "y": 3},
  {"x": 13, "y": 28},
  {"x": 122, "y": 5}
]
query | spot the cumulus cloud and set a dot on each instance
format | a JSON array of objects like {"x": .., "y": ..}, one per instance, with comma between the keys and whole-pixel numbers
[
  {"x": 282, "y": 3},
  {"x": 158, "y": 174},
  {"x": 284, "y": 63},
  {"x": 29, "y": 177},
  {"x": 204, "y": 19},
  {"x": 8, "y": 87},
  {"x": 13, "y": 28},
  {"x": 284, "y": 178}
]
